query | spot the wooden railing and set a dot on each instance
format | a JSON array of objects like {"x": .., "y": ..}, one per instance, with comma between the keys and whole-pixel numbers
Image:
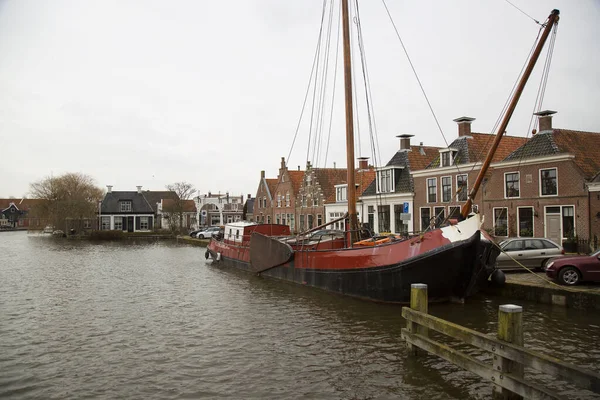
[{"x": 509, "y": 355}]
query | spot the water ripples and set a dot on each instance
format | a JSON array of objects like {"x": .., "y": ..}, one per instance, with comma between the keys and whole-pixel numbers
[{"x": 153, "y": 320}]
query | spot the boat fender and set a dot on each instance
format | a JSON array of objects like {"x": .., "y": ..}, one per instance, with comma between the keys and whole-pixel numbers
[
  {"x": 498, "y": 278},
  {"x": 218, "y": 256},
  {"x": 206, "y": 254}
]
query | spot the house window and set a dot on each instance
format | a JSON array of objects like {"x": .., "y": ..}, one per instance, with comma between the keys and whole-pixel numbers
[
  {"x": 446, "y": 159},
  {"x": 105, "y": 223},
  {"x": 568, "y": 221},
  {"x": 292, "y": 222},
  {"x": 316, "y": 200},
  {"x": 511, "y": 185},
  {"x": 310, "y": 221},
  {"x": 303, "y": 200},
  {"x": 371, "y": 216},
  {"x": 341, "y": 193},
  {"x": 319, "y": 220},
  {"x": 268, "y": 219},
  {"x": 385, "y": 181},
  {"x": 446, "y": 189},
  {"x": 277, "y": 219},
  {"x": 425, "y": 218},
  {"x": 501, "y": 221},
  {"x": 287, "y": 199},
  {"x": 144, "y": 223},
  {"x": 384, "y": 218},
  {"x": 525, "y": 216},
  {"x": 548, "y": 182},
  {"x": 237, "y": 233},
  {"x": 453, "y": 212},
  {"x": 125, "y": 206},
  {"x": 118, "y": 223},
  {"x": 431, "y": 190},
  {"x": 278, "y": 200},
  {"x": 264, "y": 201},
  {"x": 461, "y": 187},
  {"x": 439, "y": 213}
]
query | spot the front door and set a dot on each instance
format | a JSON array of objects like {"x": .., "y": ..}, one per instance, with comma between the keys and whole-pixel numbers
[
  {"x": 130, "y": 224},
  {"x": 553, "y": 231}
]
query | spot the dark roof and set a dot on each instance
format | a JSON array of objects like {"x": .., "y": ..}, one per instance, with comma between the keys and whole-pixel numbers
[
  {"x": 250, "y": 206},
  {"x": 474, "y": 148},
  {"x": 139, "y": 204},
  {"x": 418, "y": 157},
  {"x": 155, "y": 196},
  {"x": 583, "y": 145}
]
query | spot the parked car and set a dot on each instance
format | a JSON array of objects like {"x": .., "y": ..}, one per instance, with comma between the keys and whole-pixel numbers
[
  {"x": 574, "y": 269},
  {"x": 195, "y": 232},
  {"x": 208, "y": 232},
  {"x": 531, "y": 252}
]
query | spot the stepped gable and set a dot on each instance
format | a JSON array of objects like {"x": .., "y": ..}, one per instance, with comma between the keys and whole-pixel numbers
[
  {"x": 328, "y": 178},
  {"x": 585, "y": 146}
]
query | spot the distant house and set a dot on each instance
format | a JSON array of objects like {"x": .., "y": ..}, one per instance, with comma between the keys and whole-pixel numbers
[
  {"x": 263, "y": 204},
  {"x": 154, "y": 198},
  {"x": 20, "y": 213},
  {"x": 126, "y": 211},
  {"x": 215, "y": 209},
  {"x": 249, "y": 209},
  {"x": 170, "y": 209}
]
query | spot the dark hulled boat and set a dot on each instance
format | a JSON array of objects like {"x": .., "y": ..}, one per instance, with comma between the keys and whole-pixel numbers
[{"x": 454, "y": 261}]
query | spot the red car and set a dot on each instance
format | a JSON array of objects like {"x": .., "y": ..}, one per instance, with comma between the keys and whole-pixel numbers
[{"x": 572, "y": 270}]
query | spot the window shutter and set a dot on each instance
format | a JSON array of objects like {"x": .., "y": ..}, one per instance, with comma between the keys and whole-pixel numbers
[
  {"x": 137, "y": 223},
  {"x": 150, "y": 226}
]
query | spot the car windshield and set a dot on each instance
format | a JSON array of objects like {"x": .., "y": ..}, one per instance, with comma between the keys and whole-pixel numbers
[
  {"x": 597, "y": 253},
  {"x": 503, "y": 243}
]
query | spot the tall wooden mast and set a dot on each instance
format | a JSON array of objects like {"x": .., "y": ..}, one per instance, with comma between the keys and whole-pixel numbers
[
  {"x": 552, "y": 20},
  {"x": 352, "y": 218}
]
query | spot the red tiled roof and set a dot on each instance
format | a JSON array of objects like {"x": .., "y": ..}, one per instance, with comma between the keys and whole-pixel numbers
[
  {"x": 328, "y": 178},
  {"x": 420, "y": 156},
  {"x": 585, "y": 146},
  {"x": 481, "y": 143},
  {"x": 272, "y": 185},
  {"x": 296, "y": 177},
  {"x": 363, "y": 179}
]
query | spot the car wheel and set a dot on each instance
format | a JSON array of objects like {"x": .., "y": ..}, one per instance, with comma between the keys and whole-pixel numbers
[
  {"x": 543, "y": 264},
  {"x": 569, "y": 276},
  {"x": 200, "y": 236}
]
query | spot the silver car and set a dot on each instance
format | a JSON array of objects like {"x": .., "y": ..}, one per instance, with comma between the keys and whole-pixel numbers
[
  {"x": 208, "y": 232},
  {"x": 531, "y": 252}
]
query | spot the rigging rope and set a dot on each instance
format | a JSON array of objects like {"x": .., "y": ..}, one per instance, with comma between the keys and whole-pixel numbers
[{"x": 524, "y": 13}]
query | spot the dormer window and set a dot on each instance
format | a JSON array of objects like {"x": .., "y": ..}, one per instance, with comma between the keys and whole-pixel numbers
[
  {"x": 385, "y": 181},
  {"x": 125, "y": 206},
  {"x": 341, "y": 193},
  {"x": 447, "y": 157}
]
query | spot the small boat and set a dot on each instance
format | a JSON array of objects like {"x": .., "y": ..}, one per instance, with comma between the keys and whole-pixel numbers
[{"x": 454, "y": 260}]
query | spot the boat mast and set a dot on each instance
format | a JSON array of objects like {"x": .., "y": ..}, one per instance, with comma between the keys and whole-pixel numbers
[
  {"x": 552, "y": 20},
  {"x": 351, "y": 192}
]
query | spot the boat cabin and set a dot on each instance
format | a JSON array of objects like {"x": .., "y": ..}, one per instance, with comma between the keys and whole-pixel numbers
[{"x": 239, "y": 232}]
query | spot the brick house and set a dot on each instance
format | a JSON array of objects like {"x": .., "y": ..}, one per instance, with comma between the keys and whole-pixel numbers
[
  {"x": 263, "y": 204},
  {"x": 335, "y": 194},
  {"x": 285, "y": 195},
  {"x": 548, "y": 187},
  {"x": 442, "y": 187},
  {"x": 388, "y": 204}
]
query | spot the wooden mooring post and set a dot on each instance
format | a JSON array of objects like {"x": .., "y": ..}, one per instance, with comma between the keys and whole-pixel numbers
[{"x": 509, "y": 356}]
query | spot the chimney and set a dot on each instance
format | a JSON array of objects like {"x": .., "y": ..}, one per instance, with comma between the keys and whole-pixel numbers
[
  {"x": 262, "y": 174},
  {"x": 464, "y": 125},
  {"x": 545, "y": 120},
  {"x": 298, "y": 168},
  {"x": 363, "y": 162},
  {"x": 334, "y": 165},
  {"x": 405, "y": 141},
  {"x": 282, "y": 162},
  {"x": 421, "y": 150},
  {"x": 108, "y": 188},
  {"x": 308, "y": 165},
  {"x": 139, "y": 188},
  {"x": 249, "y": 196}
]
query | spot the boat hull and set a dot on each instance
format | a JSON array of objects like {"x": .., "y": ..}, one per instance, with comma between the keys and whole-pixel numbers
[{"x": 453, "y": 271}]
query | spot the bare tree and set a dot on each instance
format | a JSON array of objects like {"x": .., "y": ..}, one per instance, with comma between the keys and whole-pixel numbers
[
  {"x": 71, "y": 195},
  {"x": 175, "y": 208}
]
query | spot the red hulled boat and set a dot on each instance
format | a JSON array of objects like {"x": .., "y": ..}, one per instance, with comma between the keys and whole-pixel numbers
[{"x": 454, "y": 260}]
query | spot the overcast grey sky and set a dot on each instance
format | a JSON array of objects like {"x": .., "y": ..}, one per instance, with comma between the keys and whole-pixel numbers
[{"x": 209, "y": 92}]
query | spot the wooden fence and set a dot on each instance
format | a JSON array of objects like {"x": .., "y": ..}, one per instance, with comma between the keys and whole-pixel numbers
[{"x": 509, "y": 355}]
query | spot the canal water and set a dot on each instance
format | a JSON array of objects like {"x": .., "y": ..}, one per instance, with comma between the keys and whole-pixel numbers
[{"x": 154, "y": 320}]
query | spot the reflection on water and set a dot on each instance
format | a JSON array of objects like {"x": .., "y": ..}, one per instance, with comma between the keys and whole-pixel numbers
[{"x": 154, "y": 320}]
